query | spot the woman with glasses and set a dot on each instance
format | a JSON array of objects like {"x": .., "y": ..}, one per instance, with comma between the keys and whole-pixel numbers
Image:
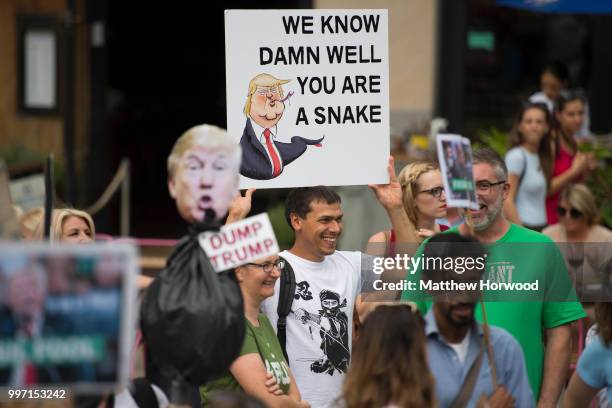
[
  {"x": 261, "y": 369},
  {"x": 529, "y": 167},
  {"x": 578, "y": 218},
  {"x": 579, "y": 223},
  {"x": 424, "y": 202}
]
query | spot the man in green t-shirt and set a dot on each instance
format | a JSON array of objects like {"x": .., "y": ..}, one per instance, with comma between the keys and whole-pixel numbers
[{"x": 537, "y": 259}]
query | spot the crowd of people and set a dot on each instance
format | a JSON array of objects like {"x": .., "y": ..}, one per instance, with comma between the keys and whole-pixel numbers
[{"x": 340, "y": 348}]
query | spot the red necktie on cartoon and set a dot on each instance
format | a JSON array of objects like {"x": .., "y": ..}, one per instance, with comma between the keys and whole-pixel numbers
[{"x": 272, "y": 152}]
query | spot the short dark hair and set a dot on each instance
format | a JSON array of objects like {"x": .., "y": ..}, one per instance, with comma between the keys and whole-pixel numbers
[
  {"x": 299, "y": 199},
  {"x": 491, "y": 157},
  {"x": 558, "y": 70},
  {"x": 449, "y": 245}
]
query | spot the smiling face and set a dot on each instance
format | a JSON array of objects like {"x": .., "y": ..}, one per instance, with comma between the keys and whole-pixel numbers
[
  {"x": 75, "y": 230},
  {"x": 266, "y": 106},
  {"x": 533, "y": 126},
  {"x": 203, "y": 180},
  {"x": 427, "y": 204},
  {"x": 255, "y": 282},
  {"x": 319, "y": 231},
  {"x": 490, "y": 200}
]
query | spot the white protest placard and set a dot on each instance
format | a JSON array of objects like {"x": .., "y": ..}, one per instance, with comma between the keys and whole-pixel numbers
[
  {"x": 455, "y": 157},
  {"x": 308, "y": 96},
  {"x": 240, "y": 242}
]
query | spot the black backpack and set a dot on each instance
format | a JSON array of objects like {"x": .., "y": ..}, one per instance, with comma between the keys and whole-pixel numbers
[{"x": 285, "y": 300}]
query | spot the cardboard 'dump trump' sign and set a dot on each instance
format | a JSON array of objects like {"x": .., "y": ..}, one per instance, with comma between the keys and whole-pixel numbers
[{"x": 308, "y": 96}]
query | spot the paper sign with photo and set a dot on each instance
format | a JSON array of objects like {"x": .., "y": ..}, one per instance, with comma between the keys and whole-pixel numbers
[
  {"x": 308, "y": 97},
  {"x": 455, "y": 157},
  {"x": 9, "y": 225},
  {"x": 240, "y": 242},
  {"x": 67, "y": 319}
]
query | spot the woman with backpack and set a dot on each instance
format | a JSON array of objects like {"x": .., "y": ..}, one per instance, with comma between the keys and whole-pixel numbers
[{"x": 529, "y": 165}]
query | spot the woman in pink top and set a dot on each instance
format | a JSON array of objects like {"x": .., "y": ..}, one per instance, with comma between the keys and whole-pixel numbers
[{"x": 569, "y": 164}]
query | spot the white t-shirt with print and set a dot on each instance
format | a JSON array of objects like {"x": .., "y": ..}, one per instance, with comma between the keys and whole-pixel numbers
[{"x": 319, "y": 326}]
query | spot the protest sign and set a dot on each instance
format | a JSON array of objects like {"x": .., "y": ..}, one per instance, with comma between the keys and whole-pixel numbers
[
  {"x": 240, "y": 242},
  {"x": 67, "y": 316},
  {"x": 308, "y": 96},
  {"x": 9, "y": 225},
  {"x": 455, "y": 157}
]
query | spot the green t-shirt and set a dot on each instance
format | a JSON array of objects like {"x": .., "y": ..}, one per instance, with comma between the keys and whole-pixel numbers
[
  {"x": 260, "y": 340},
  {"x": 538, "y": 258}
]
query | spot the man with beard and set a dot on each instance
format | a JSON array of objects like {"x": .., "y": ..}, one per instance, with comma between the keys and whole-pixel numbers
[
  {"x": 519, "y": 255},
  {"x": 263, "y": 156},
  {"x": 455, "y": 341}
]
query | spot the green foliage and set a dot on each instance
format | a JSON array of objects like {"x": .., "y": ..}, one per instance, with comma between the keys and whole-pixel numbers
[
  {"x": 16, "y": 154},
  {"x": 598, "y": 182},
  {"x": 284, "y": 234},
  {"x": 599, "y": 179},
  {"x": 493, "y": 138}
]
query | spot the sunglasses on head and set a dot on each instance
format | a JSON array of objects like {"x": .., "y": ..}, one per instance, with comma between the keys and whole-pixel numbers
[{"x": 574, "y": 213}]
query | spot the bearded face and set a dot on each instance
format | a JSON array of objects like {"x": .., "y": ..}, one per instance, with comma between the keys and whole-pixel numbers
[{"x": 266, "y": 106}]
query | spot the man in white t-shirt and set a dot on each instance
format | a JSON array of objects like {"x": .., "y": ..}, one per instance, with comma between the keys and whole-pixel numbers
[{"x": 319, "y": 326}]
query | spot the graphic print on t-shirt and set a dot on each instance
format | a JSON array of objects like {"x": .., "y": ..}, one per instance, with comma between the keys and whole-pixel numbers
[
  {"x": 302, "y": 290},
  {"x": 332, "y": 324}
]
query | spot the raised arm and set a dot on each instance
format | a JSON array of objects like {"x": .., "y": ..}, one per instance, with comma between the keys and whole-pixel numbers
[
  {"x": 240, "y": 206},
  {"x": 390, "y": 197}
]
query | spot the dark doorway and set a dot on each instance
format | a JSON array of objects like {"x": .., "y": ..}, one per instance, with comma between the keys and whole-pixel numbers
[{"x": 166, "y": 73}]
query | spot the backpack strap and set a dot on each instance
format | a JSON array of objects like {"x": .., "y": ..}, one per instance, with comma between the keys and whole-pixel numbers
[
  {"x": 467, "y": 388},
  {"x": 142, "y": 392},
  {"x": 524, "y": 168},
  {"x": 285, "y": 300}
]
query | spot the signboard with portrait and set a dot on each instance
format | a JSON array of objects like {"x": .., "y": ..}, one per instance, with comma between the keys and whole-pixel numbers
[
  {"x": 455, "y": 157},
  {"x": 67, "y": 316},
  {"x": 308, "y": 97}
]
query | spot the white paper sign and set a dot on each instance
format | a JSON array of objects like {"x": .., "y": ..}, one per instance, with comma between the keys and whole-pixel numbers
[
  {"x": 455, "y": 157},
  {"x": 240, "y": 242},
  {"x": 308, "y": 96}
]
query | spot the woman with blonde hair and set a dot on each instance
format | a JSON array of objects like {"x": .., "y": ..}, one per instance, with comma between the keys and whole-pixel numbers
[
  {"x": 389, "y": 365},
  {"x": 68, "y": 226},
  {"x": 424, "y": 202},
  {"x": 578, "y": 217}
]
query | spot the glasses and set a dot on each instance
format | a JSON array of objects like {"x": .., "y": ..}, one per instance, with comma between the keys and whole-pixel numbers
[
  {"x": 435, "y": 192},
  {"x": 268, "y": 266},
  {"x": 484, "y": 187},
  {"x": 574, "y": 213}
]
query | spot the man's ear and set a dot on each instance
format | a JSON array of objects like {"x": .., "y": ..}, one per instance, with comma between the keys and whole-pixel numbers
[
  {"x": 172, "y": 188},
  {"x": 296, "y": 221}
]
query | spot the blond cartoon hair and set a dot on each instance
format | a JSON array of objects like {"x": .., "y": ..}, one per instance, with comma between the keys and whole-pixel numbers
[
  {"x": 58, "y": 218},
  {"x": 409, "y": 180},
  {"x": 206, "y": 136},
  {"x": 266, "y": 80}
]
